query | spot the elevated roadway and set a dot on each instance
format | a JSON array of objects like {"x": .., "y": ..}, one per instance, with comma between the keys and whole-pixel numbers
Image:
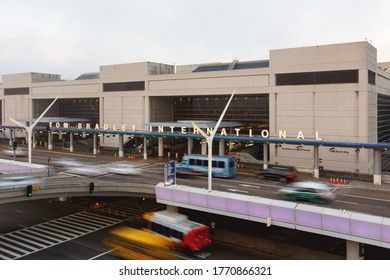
[{"x": 365, "y": 205}]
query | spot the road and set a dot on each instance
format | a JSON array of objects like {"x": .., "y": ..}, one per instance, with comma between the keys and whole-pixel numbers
[{"x": 353, "y": 197}]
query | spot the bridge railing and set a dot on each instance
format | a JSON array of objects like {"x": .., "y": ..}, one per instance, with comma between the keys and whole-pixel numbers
[{"x": 359, "y": 227}]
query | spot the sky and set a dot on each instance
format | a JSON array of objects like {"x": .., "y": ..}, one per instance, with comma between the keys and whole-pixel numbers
[{"x": 72, "y": 37}]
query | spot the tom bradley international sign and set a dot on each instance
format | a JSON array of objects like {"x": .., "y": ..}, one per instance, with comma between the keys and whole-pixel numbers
[{"x": 173, "y": 129}]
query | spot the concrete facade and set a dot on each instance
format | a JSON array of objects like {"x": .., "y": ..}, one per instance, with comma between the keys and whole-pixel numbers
[{"x": 332, "y": 111}]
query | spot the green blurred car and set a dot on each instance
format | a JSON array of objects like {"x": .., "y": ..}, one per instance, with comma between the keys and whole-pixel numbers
[{"x": 316, "y": 192}]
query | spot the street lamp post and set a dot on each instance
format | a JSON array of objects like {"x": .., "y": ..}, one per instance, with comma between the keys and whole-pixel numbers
[
  {"x": 30, "y": 128},
  {"x": 209, "y": 140}
]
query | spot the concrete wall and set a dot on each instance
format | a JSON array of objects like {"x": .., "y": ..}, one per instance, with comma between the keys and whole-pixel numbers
[{"x": 344, "y": 112}]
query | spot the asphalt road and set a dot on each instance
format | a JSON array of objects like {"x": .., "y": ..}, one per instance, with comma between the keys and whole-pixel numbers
[{"x": 355, "y": 196}]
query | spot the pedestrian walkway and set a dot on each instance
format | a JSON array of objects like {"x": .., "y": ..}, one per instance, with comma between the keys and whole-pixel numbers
[{"x": 17, "y": 244}]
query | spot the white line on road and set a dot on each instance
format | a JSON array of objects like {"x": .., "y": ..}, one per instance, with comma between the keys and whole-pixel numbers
[
  {"x": 235, "y": 190},
  {"x": 250, "y": 186},
  {"x": 104, "y": 253}
]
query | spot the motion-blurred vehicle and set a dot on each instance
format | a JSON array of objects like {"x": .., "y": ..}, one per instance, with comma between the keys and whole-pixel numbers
[
  {"x": 86, "y": 169},
  {"x": 19, "y": 152},
  {"x": 67, "y": 162},
  {"x": 124, "y": 169},
  {"x": 188, "y": 235},
  {"x": 316, "y": 192},
  {"x": 15, "y": 181},
  {"x": 281, "y": 173},
  {"x": 138, "y": 244},
  {"x": 194, "y": 164}
]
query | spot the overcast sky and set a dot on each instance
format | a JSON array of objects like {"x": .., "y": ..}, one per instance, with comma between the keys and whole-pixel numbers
[{"x": 71, "y": 37}]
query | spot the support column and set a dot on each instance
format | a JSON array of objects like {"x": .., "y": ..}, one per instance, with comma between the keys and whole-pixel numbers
[
  {"x": 71, "y": 142},
  {"x": 94, "y": 144},
  {"x": 160, "y": 146},
  {"x": 316, "y": 157},
  {"x": 50, "y": 141},
  {"x": 377, "y": 167},
  {"x": 11, "y": 136},
  {"x": 190, "y": 145},
  {"x": 34, "y": 141},
  {"x": 265, "y": 155},
  {"x": 221, "y": 147},
  {"x": 355, "y": 250},
  {"x": 145, "y": 148},
  {"x": 204, "y": 148},
  {"x": 120, "y": 145}
]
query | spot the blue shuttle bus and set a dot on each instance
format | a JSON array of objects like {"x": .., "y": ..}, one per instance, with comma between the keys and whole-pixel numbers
[{"x": 195, "y": 164}]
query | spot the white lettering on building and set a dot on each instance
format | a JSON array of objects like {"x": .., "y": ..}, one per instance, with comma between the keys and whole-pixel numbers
[{"x": 183, "y": 130}]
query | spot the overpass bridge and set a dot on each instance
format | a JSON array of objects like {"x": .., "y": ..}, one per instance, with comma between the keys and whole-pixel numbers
[{"x": 356, "y": 228}]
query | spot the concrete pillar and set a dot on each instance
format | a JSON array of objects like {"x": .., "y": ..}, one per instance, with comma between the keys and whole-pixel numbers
[
  {"x": 221, "y": 147},
  {"x": 316, "y": 157},
  {"x": 190, "y": 145},
  {"x": 71, "y": 142},
  {"x": 50, "y": 141},
  {"x": 265, "y": 155},
  {"x": 377, "y": 167},
  {"x": 160, "y": 146},
  {"x": 11, "y": 137},
  {"x": 120, "y": 145},
  {"x": 34, "y": 141},
  {"x": 355, "y": 250},
  {"x": 145, "y": 148},
  {"x": 94, "y": 144},
  {"x": 204, "y": 148}
]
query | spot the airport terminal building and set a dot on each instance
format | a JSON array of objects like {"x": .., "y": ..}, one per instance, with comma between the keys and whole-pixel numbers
[{"x": 336, "y": 92}]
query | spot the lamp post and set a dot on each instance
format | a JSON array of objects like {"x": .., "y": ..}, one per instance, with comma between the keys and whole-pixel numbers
[
  {"x": 209, "y": 140},
  {"x": 30, "y": 128}
]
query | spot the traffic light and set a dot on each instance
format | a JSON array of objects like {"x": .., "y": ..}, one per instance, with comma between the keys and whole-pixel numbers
[
  {"x": 91, "y": 187},
  {"x": 14, "y": 145},
  {"x": 48, "y": 129},
  {"x": 29, "y": 191},
  {"x": 141, "y": 200}
]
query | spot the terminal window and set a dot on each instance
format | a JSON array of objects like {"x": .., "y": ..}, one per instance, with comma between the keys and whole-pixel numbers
[
  {"x": 124, "y": 86},
  {"x": 317, "y": 78}
]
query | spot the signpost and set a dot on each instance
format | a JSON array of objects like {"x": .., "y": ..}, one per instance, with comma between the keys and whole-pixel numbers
[{"x": 170, "y": 173}]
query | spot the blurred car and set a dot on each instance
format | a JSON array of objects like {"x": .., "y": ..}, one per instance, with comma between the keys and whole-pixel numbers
[
  {"x": 67, "y": 162},
  {"x": 19, "y": 152},
  {"x": 311, "y": 191},
  {"x": 282, "y": 173},
  {"x": 20, "y": 181},
  {"x": 124, "y": 169},
  {"x": 86, "y": 169}
]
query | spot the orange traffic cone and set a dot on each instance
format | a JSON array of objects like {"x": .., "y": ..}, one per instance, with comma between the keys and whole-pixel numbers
[
  {"x": 331, "y": 180},
  {"x": 337, "y": 181}
]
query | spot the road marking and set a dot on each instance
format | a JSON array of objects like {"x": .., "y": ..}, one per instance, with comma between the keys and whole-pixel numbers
[
  {"x": 250, "y": 186},
  {"x": 104, "y": 253},
  {"x": 235, "y": 190},
  {"x": 18, "y": 211}
]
